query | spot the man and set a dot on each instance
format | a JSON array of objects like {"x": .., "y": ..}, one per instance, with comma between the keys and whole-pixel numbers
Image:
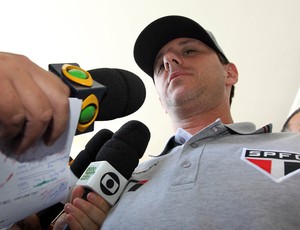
[
  {"x": 213, "y": 174},
  {"x": 292, "y": 124}
]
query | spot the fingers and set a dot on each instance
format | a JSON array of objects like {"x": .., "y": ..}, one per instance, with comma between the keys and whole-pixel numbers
[
  {"x": 34, "y": 102},
  {"x": 37, "y": 110},
  {"x": 99, "y": 202},
  {"x": 59, "y": 94},
  {"x": 12, "y": 116},
  {"x": 76, "y": 217},
  {"x": 82, "y": 214},
  {"x": 92, "y": 197},
  {"x": 60, "y": 222}
]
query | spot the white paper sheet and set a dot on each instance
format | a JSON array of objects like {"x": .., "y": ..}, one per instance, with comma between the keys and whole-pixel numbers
[{"x": 38, "y": 178}]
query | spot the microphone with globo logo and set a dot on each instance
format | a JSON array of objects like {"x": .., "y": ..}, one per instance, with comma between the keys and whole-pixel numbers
[
  {"x": 115, "y": 162},
  {"x": 77, "y": 167}
]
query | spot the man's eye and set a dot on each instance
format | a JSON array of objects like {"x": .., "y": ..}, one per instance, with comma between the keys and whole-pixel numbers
[{"x": 187, "y": 52}]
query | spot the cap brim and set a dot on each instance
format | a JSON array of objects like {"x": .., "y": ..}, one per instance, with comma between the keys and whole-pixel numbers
[{"x": 163, "y": 30}]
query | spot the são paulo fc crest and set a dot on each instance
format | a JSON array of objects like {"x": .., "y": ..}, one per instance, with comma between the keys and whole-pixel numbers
[{"x": 278, "y": 165}]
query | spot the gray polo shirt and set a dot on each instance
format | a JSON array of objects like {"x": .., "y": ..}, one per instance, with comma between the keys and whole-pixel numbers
[{"x": 224, "y": 177}]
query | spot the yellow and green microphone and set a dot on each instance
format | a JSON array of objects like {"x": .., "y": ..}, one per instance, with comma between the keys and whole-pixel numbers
[{"x": 106, "y": 93}]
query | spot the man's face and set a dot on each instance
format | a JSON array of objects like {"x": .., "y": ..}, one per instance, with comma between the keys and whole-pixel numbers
[{"x": 186, "y": 70}]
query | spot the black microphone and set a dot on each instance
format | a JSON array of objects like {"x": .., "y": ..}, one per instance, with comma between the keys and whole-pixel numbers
[
  {"x": 107, "y": 93},
  {"x": 77, "y": 167},
  {"x": 125, "y": 92},
  {"x": 88, "y": 155},
  {"x": 115, "y": 162}
]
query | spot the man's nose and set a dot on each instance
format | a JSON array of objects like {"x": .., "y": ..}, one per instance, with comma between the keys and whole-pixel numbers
[{"x": 170, "y": 61}]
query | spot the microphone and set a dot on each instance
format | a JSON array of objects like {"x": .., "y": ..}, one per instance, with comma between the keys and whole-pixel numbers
[
  {"x": 106, "y": 93},
  {"x": 88, "y": 155},
  {"x": 78, "y": 166},
  {"x": 125, "y": 92},
  {"x": 115, "y": 162}
]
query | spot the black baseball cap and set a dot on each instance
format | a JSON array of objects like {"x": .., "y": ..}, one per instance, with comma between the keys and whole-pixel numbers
[{"x": 163, "y": 30}]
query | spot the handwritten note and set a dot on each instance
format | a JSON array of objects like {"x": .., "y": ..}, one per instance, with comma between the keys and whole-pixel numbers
[{"x": 38, "y": 178}]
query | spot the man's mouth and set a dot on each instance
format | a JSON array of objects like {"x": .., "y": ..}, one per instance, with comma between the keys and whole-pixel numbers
[{"x": 173, "y": 76}]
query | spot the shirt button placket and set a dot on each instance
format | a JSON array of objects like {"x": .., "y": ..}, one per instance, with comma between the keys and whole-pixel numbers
[
  {"x": 188, "y": 163},
  {"x": 186, "y": 173}
]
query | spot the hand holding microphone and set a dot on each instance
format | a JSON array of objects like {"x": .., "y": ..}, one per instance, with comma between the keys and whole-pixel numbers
[{"x": 108, "y": 176}]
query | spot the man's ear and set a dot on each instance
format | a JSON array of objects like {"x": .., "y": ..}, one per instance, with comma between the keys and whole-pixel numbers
[{"x": 232, "y": 74}]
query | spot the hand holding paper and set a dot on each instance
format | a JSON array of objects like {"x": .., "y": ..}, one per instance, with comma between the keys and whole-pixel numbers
[{"x": 38, "y": 178}]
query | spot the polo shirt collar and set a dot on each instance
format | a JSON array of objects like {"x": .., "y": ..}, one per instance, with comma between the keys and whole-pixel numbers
[{"x": 243, "y": 128}]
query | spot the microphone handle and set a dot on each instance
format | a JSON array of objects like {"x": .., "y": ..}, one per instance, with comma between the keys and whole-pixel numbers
[{"x": 84, "y": 196}]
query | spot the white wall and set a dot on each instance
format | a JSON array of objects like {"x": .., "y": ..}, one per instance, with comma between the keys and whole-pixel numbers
[{"x": 260, "y": 36}]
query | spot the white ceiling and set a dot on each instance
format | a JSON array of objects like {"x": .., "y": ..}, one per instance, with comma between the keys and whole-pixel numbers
[{"x": 260, "y": 36}]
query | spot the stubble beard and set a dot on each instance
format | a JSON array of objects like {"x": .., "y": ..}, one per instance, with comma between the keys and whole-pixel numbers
[{"x": 184, "y": 105}]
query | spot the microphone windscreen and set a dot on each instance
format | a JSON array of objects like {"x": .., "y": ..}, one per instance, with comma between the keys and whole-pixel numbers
[
  {"x": 125, "y": 92},
  {"x": 135, "y": 134},
  {"x": 88, "y": 155},
  {"x": 125, "y": 147}
]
